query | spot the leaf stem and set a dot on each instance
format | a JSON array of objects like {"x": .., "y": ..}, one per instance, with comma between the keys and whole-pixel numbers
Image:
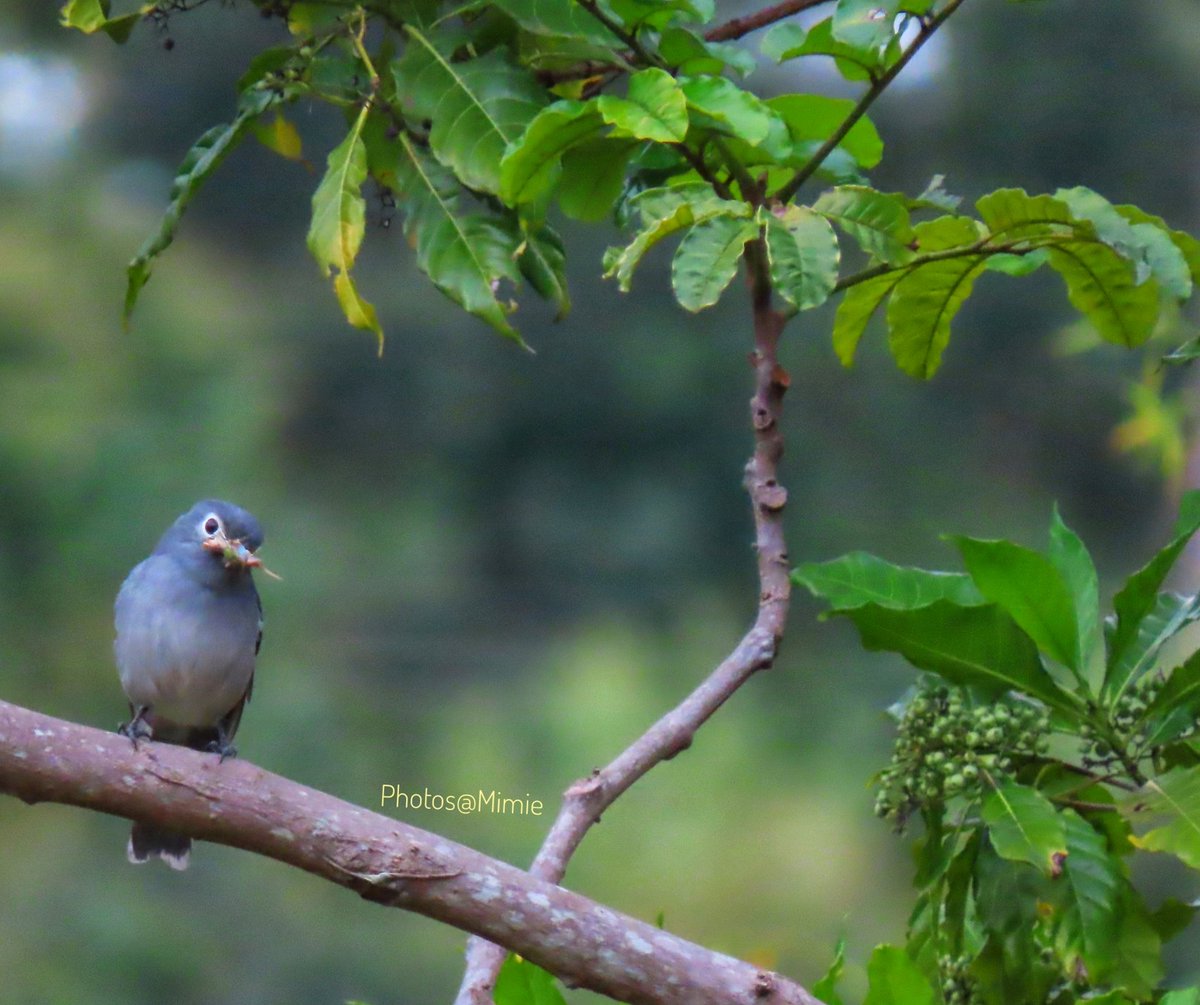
[
  {"x": 628, "y": 37},
  {"x": 929, "y": 25}
]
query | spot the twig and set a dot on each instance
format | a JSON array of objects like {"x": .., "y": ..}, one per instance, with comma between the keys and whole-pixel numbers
[
  {"x": 878, "y": 86},
  {"x": 382, "y": 859},
  {"x": 628, "y": 37},
  {"x": 739, "y": 26}
]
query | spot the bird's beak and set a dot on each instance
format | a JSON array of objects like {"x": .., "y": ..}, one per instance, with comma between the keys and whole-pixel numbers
[{"x": 236, "y": 554}]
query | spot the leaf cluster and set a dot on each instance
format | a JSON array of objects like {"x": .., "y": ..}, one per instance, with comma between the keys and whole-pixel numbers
[
  {"x": 1041, "y": 748},
  {"x": 475, "y": 120}
]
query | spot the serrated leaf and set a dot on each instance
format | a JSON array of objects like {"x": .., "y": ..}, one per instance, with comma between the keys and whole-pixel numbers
[
  {"x": 1174, "y": 796},
  {"x": 466, "y": 256},
  {"x": 199, "y": 163},
  {"x": 803, "y": 253},
  {"x": 558, "y": 19},
  {"x": 1170, "y": 614},
  {"x": 1139, "y": 596},
  {"x": 789, "y": 40},
  {"x": 523, "y": 983},
  {"x": 859, "y": 578},
  {"x": 655, "y": 108},
  {"x": 477, "y": 107},
  {"x": 926, "y": 300},
  {"x": 857, "y": 307},
  {"x": 730, "y": 108},
  {"x": 1101, "y": 285},
  {"x": 1178, "y": 701},
  {"x": 1093, "y": 883},
  {"x": 812, "y": 118},
  {"x": 1137, "y": 949},
  {"x": 530, "y": 165},
  {"x": 666, "y": 211},
  {"x": 1031, "y": 589},
  {"x": 707, "y": 259},
  {"x": 339, "y": 222},
  {"x": 1024, "y": 826},
  {"x": 593, "y": 176},
  {"x": 878, "y": 222},
  {"x": 977, "y": 646},
  {"x": 894, "y": 979},
  {"x": 865, "y": 24}
]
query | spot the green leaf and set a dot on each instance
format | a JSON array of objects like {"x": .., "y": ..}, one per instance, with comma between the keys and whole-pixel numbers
[
  {"x": 692, "y": 55},
  {"x": 804, "y": 254},
  {"x": 825, "y": 988},
  {"x": 523, "y": 983},
  {"x": 666, "y": 211},
  {"x": 200, "y": 162},
  {"x": 1170, "y": 615},
  {"x": 477, "y": 106},
  {"x": 530, "y": 165},
  {"x": 1101, "y": 285},
  {"x": 466, "y": 256},
  {"x": 730, "y": 108},
  {"x": 789, "y": 40},
  {"x": 1110, "y": 226},
  {"x": 1137, "y": 949},
  {"x": 655, "y": 108},
  {"x": 857, "y": 307},
  {"x": 1017, "y": 265},
  {"x": 927, "y": 298},
  {"x": 543, "y": 262},
  {"x": 1025, "y": 827},
  {"x": 1175, "y": 796},
  {"x": 1180, "y": 695},
  {"x": 857, "y": 579},
  {"x": 1188, "y": 246},
  {"x": 865, "y": 24},
  {"x": 1181, "y": 996},
  {"x": 90, "y": 16},
  {"x": 878, "y": 222},
  {"x": 707, "y": 260},
  {"x": 1093, "y": 885},
  {"x": 895, "y": 979},
  {"x": 1031, "y": 589},
  {"x": 1070, "y": 557},
  {"x": 338, "y": 224},
  {"x": 593, "y": 174},
  {"x": 812, "y": 118},
  {"x": 1012, "y": 213},
  {"x": 973, "y": 646},
  {"x": 1138, "y": 597},
  {"x": 558, "y": 19}
]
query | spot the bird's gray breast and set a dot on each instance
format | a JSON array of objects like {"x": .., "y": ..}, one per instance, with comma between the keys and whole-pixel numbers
[{"x": 184, "y": 649}]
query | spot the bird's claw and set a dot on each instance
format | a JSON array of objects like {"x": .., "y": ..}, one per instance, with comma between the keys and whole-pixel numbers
[{"x": 136, "y": 728}]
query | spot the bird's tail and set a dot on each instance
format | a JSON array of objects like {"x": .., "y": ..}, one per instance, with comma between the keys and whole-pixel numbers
[{"x": 147, "y": 840}]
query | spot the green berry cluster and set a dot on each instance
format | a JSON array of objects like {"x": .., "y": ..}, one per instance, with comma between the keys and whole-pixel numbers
[
  {"x": 958, "y": 986},
  {"x": 1127, "y": 725},
  {"x": 948, "y": 746}
]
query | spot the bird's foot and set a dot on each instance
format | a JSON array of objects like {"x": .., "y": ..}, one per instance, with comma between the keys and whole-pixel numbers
[
  {"x": 223, "y": 747},
  {"x": 136, "y": 728}
]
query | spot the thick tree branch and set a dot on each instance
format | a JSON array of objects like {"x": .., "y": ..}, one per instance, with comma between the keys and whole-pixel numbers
[
  {"x": 381, "y": 859},
  {"x": 588, "y": 798},
  {"x": 739, "y": 26}
]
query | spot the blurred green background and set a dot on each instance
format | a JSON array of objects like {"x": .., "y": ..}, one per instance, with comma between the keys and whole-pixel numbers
[{"x": 499, "y": 568}]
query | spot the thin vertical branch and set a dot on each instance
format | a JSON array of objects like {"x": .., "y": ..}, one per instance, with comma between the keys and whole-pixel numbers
[{"x": 587, "y": 799}]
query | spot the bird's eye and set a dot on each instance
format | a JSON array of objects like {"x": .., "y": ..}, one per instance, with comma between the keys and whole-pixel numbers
[{"x": 211, "y": 525}]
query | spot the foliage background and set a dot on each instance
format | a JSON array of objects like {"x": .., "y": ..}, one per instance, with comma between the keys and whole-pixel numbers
[{"x": 499, "y": 568}]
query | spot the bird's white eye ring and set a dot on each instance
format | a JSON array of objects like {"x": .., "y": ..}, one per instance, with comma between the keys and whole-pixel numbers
[{"x": 211, "y": 525}]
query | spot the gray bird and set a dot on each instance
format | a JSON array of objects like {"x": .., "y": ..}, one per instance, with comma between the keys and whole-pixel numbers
[{"x": 189, "y": 625}]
